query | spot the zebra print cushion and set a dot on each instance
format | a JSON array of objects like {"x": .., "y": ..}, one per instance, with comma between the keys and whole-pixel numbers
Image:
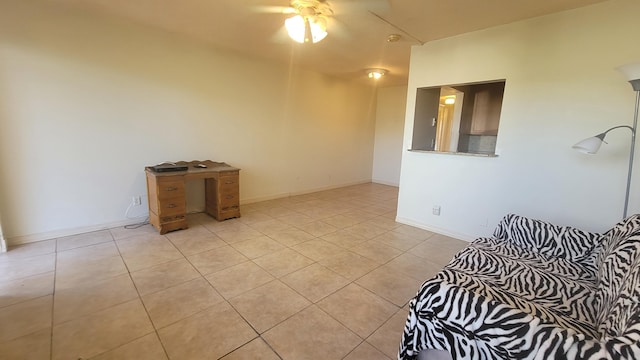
[
  {"x": 582, "y": 271},
  {"x": 545, "y": 238},
  {"x": 498, "y": 299},
  {"x": 536, "y": 285},
  {"x": 455, "y": 319}
]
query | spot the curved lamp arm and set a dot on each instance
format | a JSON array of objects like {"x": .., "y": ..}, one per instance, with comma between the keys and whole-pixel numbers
[
  {"x": 591, "y": 145},
  {"x": 620, "y": 126}
]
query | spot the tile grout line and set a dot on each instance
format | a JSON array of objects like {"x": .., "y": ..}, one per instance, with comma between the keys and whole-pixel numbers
[
  {"x": 224, "y": 299},
  {"x": 259, "y": 334},
  {"x": 311, "y": 302},
  {"x": 155, "y": 330},
  {"x": 373, "y": 345}
]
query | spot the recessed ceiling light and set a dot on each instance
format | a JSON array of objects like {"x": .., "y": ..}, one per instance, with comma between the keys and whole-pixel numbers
[
  {"x": 376, "y": 73},
  {"x": 393, "y": 37}
]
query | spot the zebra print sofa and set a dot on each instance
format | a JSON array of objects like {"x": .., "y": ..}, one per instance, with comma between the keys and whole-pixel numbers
[{"x": 533, "y": 291}]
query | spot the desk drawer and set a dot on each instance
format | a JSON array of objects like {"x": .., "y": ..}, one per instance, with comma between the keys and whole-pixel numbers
[
  {"x": 229, "y": 184},
  {"x": 170, "y": 189},
  {"x": 229, "y": 179},
  {"x": 172, "y": 206},
  {"x": 228, "y": 199}
]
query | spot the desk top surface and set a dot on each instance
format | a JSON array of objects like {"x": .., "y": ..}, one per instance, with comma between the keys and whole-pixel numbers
[{"x": 193, "y": 168}]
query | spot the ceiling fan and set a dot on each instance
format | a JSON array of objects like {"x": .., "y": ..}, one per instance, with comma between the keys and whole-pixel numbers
[{"x": 308, "y": 25}]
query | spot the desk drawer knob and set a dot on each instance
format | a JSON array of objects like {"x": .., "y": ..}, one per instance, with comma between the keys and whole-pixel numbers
[
  {"x": 229, "y": 197},
  {"x": 172, "y": 188},
  {"x": 171, "y": 206},
  {"x": 229, "y": 182}
]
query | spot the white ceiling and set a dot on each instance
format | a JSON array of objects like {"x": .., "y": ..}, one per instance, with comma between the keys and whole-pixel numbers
[{"x": 357, "y": 31}]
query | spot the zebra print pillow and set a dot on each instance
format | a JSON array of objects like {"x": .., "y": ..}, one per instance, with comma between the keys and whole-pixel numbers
[
  {"x": 548, "y": 239},
  {"x": 619, "y": 233},
  {"x": 620, "y": 327},
  {"x": 619, "y": 277}
]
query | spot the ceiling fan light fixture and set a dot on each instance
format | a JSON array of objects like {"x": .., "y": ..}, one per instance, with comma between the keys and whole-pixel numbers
[
  {"x": 376, "y": 73},
  {"x": 318, "y": 28},
  {"x": 306, "y": 29}
]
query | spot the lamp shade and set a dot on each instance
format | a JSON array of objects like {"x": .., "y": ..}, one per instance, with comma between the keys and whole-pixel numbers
[
  {"x": 632, "y": 73},
  {"x": 589, "y": 145}
]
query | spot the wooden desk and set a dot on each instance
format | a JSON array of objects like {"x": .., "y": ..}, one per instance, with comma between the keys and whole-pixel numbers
[{"x": 166, "y": 193}]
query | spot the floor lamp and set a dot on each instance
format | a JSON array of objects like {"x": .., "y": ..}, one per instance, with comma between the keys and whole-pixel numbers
[{"x": 592, "y": 144}]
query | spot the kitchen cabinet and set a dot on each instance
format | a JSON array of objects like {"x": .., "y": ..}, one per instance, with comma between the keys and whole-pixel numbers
[{"x": 481, "y": 110}]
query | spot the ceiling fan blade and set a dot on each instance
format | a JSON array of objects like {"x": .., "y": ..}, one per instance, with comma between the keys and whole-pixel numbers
[
  {"x": 272, "y": 9},
  {"x": 280, "y": 37},
  {"x": 337, "y": 29}
]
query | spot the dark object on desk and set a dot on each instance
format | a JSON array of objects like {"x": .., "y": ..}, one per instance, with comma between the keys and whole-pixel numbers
[{"x": 169, "y": 168}]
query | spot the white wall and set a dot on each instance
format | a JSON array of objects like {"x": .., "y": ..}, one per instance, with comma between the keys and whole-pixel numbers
[
  {"x": 561, "y": 87},
  {"x": 87, "y": 101},
  {"x": 387, "y": 153},
  {"x": 3, "y": 241}
]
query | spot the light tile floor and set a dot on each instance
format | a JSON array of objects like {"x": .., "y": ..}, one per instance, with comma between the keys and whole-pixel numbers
[{"x": 325, "y": 276}]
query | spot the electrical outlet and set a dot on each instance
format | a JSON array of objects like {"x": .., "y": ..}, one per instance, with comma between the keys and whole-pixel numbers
[
  {"x": 436, "y": 210},
  {"x": 136, "y": 200}
]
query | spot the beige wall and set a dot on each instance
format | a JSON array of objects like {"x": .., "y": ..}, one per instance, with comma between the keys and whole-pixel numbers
[
  {"x": 86, "y": 102},
  {"x": 387, "y": 153},
  {"x": 561, "y": 87}
]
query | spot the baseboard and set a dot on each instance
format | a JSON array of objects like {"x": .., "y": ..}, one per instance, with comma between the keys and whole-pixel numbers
[
  {"x": 302, "y": 192},
  {"x": 263, "y": 198},
  {"x": 25, "y": 239},
  {"x": 441, "y": 231},
  {"x": 383, "y": 182}
]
